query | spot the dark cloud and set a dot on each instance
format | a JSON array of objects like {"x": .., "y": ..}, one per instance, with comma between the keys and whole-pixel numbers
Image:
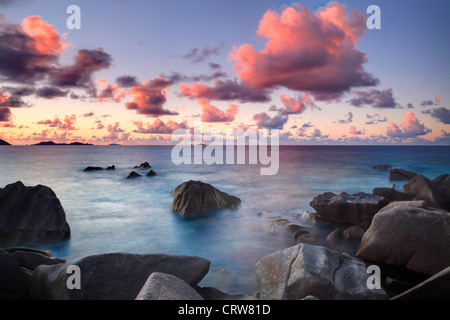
[
  {"x": 50, "y": 92},
  {"x": 375, "y": 98},
  {"x": 427, "y": 103},
  {"x": 5, "y": 114},
  {"x": 79, "y": 74},
  {"x": 348, "y": 120},
  {"x": 127, "y": 81},
  {"x": 441, "y": 113},
  {"x": 375, "y": 118},
  {"x": 307, "y": 125},
  {"x": 200, "y": 55},
  {"x": 224, "y": 90},
  {"x": 263, "y": 120}
]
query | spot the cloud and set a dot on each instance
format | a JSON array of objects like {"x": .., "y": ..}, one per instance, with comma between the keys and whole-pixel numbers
[
  {"x": 348, "y": 120},
  {"x": 427, "y": 103},
  {"x": 354, "y": 131},
  {"x": 28, "y": 53},
  {"x": 159, "y": 127},
  {"x": 50, "y": 92},
  {"x": 197, "y": 55},
  {"x": 294, "y": 106},
  {"x": 66, "y": 124},
  {"x": 441, "y": 113},
  {"x": 211, "y": 113},
  {"x": 305, "y": 51},
  {"x": 5, "y": 114},
  {"x": 127, "y": 81},
  {"x": 149, "y": 97},
  {"x": 224, "y": 90},
  {"x": 375, "y": 119},
  {"x": 410, "y": 128},
  {"x": 115, "y": 133},
  {"x": 79, "y": 74},
  {"x": 375, "y": 98},
  {"x": 88, "y": 114},
  {"x": 108, "y": 92},
  {"x": 12, "y": 101},
  {"x": 307, "y": 125},
  {"x": 263, "y": 120}
]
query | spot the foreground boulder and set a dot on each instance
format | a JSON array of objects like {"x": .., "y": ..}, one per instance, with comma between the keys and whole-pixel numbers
[
  {"x": 31, "y": 214},
  {"x": 114, "y": 276},
  {"x": 437, "y": 193},
  {"x": 162, "y": 286},
  {"x": 14, "y": 281},
  {"x": 358, "y": 208},
  {"x": 410, "y": 237},
  {"x": 196, "y": 197},
  {"x": 303, "y": 270}
]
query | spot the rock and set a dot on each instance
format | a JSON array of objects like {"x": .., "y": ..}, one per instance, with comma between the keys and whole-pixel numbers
[
  {"x": 151, "y": 173},
  {"x": 32, "y": 260},
  {"x": 436, "y": 287},
  {"x": 358, "y": 208},
  {"x": 46, "y": 253},
  {"x": 93, "y": 169},
  {"x": 31, "y": 214},
  {"x": 353, "y": 232},
  {"x": 392, "y": 194},
  {"x": 422, "y": 187},
  {"x": 144, "y": 165},
  {"x": 414, "y": 238},
  {"x": 417, "y": 204},
  {"x": 305, "y": 270},
  {"x": 382, "y": 167},
  {"x": 114, "y": 276},
  {"x": 133, "y": 175},
  {"x": 162, "y": 286},
  {"x": 196, "y": 197},
  {"x": 400, "y": 174},
  {"x": 14, "y": 282},
  {"x": 335, "y": 235},
  {"x": 113, "y": 167}
]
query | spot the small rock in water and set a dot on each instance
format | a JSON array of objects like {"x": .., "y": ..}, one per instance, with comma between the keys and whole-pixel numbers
[
  {"x": 113, "y": 167},
  {"x": 93, "y": 168},
  {"x": 133, "y": 175},
  {"x": 151, "y": 173},
  {"x": 144, "y": 165}
]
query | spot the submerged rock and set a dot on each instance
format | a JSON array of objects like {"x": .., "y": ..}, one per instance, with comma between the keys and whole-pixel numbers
[
  {"x": 410, "y": 237},
  {"x": 196, "y": 197},
  {"x": 113, "y": 167},
  {"x": 31, "y": 214},
  {"x": 151, "y": 173},
  {"x": 304, "y": 270},
  {"x": 382, "y": 167},
  {"x": 93, "y": 169},
  {"x": 358, "y": 208}
]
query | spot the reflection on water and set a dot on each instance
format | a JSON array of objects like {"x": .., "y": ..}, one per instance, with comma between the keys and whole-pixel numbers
[{"x": 108, "y": 213}]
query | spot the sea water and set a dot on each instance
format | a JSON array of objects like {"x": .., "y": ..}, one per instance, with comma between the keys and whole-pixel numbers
[{"x": 108, "y": 213}]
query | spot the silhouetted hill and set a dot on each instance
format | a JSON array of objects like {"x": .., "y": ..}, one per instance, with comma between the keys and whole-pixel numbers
[
  {"x": 4, "y": 143},
  {"x": 51, "y": 143}
]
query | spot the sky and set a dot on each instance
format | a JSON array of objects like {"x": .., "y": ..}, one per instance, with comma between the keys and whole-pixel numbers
[{"x": 136, "y": 70}]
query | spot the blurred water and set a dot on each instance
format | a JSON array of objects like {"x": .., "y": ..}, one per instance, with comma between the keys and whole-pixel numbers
[{"x": 108, "y": 213}]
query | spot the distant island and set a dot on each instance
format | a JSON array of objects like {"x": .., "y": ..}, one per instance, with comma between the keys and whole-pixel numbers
[
  {"x": 4, "y": 143},
  {"x": 51, "y": 143}
]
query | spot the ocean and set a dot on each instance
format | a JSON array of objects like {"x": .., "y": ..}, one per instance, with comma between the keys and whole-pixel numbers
[{"x": 109, "y": 213}]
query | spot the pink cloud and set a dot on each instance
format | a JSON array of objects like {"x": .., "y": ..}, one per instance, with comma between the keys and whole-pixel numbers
[
  {"x": 211, "y": 113},
  {"x": 66, "y": 124},
  {"x": 149, "y": 97},
  {"x": 411, "y": 127},
  {"x": 45, "y": 37},
  {"x": 305, "y": 51}
]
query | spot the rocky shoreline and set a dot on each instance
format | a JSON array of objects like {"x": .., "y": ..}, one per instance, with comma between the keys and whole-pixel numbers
[{"x": 406, "y": 235}]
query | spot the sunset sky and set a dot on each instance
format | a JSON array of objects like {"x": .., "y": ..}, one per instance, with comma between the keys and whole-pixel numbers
[{"x": 138, "y": 69}]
